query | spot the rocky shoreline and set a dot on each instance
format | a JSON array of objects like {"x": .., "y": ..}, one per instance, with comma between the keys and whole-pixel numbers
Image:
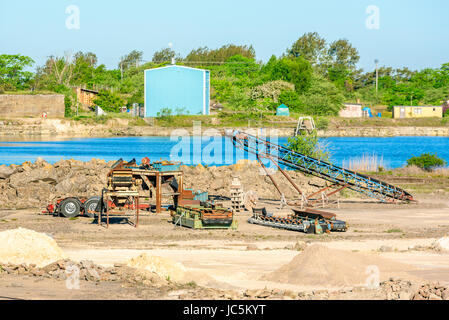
[{"x": 61, "y": 128}]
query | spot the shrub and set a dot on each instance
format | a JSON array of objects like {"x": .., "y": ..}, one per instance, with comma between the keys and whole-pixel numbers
[
  {"x": 307, "y": 144},
  {"x": 446, "y": 113},
  {"x": 322, "y": 123},
  {"x": 271, "y": 90},
  {"x": 426, "y": 161},
  {"x": 165, "y": 113},
  {"x": 68, "y": 107},
  {"x": 109, "y": 101}
]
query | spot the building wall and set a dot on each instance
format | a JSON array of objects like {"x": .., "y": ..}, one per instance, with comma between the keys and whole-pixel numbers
[
  {"x": 32, "y": 105},
  {"x": 351, "y": 111},
  {"x": 418, "y": 112},
  {"x": 176, "y": 87},
  {"x": 85, "y": 97}
]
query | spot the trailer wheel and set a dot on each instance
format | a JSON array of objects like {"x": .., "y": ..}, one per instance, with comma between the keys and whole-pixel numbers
[
  {"x": 70, "y": 208},
  {"x": 92, "y": 204}
]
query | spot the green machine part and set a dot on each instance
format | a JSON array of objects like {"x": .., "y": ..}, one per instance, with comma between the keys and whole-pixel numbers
[{"x": 192, "y": 218}]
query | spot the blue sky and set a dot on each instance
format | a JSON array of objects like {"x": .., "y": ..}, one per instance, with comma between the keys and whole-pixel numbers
[{"x": 412, "y": 33}]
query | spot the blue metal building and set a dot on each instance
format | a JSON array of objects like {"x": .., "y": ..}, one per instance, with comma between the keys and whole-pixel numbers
[{"x": 177, "y": 88}]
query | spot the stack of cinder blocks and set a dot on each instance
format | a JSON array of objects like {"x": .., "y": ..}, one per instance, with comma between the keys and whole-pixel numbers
[{"x": 237, "y": 195}]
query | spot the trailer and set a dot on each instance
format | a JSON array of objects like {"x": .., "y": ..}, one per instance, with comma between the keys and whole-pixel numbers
[{"x": 73, "y": 207}]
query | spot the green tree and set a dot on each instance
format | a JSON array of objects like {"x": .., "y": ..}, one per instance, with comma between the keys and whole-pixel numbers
[
  {"x": 204, "y": 55},
  {"x": 109, "y": 102},
  {"x": 84, "y": 68},
  {"x": 308, "y": 145},
  {"x": 323, "y": 98},
  {"x": 426, "y": 161},
  {"x": 342, "y": 53},
  {"x": 12, "y": 71},
  {"x": 240, "y": 66},
  {"x": 132, "y": 59},
  {"x": 310, "y": 46},
  {"x": 165, "y": 55},
  {"x": 295, "y": 70}
]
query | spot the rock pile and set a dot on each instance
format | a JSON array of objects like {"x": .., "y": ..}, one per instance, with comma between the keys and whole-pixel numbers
[
  {"x": 217, "y": 180},
  {"x": 34, "y": 185},
  {"x": 392, "y": 289},
  {"x": 88, "y": 271},
  {"x": 431, "y": 292}
]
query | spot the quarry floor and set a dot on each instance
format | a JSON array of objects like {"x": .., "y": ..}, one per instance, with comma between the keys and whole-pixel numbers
[{"x": 236, "y": 259}]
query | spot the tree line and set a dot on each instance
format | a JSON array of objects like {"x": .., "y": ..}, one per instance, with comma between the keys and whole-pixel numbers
[{"x": 313, "y": 77}]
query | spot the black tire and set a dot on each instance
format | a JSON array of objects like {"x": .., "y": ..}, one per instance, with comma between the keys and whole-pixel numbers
[
  {"x": 92, "y": 204},
  {"x": 70, "y": 208}
]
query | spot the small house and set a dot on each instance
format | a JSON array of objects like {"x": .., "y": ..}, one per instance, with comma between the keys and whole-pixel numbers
[
  {"x": 283, "y": 110},
  {"x": 401, "y": 112},
  {"x": 351, "y": 110}
]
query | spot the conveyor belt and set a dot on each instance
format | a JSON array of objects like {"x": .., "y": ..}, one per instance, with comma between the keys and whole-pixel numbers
[{"x": 293, "y": 160}]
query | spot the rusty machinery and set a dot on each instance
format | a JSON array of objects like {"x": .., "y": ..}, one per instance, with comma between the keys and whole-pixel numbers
[
  {"x": 311, "y": 219},
  {"x": 129, "y": 183},
  {"x": 129, "y": 187}
]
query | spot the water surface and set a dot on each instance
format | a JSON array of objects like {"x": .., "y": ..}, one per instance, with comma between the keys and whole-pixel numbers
[{"x": 394, "y": 150}]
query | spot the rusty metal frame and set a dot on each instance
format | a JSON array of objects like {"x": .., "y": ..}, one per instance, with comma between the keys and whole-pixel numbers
[
  {"x": 306, "y": 199},
  {"x": 108, "y": 196}
]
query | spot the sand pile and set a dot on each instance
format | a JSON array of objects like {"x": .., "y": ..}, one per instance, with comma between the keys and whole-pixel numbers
[
  {"x": 321, "y": 266},
  {"x": 165, "y": 268},
  {"x": 23, "y": 246}
]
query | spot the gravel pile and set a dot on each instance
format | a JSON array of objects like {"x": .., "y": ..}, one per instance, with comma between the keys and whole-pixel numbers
[
  {"x": 34, "y": 185},
  {"x": 431, "y": 292},
  {"x": 88, "y": 271}
]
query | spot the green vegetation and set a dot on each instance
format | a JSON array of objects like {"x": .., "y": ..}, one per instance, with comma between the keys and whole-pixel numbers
[
  {"x": 394, "y": 231},
  {"x": 109, "y": 101},
  {"x": 426, "y": 161},
  {"x": 312, "y": 77},
  {"x": 308, "y": 145}
]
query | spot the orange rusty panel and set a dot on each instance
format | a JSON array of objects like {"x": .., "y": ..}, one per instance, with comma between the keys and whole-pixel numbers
[{"x": 85, "y": 96}]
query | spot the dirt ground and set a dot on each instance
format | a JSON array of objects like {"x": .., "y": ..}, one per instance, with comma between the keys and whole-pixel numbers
[{"x": 231, "y": 262}]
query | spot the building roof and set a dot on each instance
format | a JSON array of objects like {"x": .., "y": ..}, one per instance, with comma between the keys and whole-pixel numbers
[{"x": 176, "y": 66}]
